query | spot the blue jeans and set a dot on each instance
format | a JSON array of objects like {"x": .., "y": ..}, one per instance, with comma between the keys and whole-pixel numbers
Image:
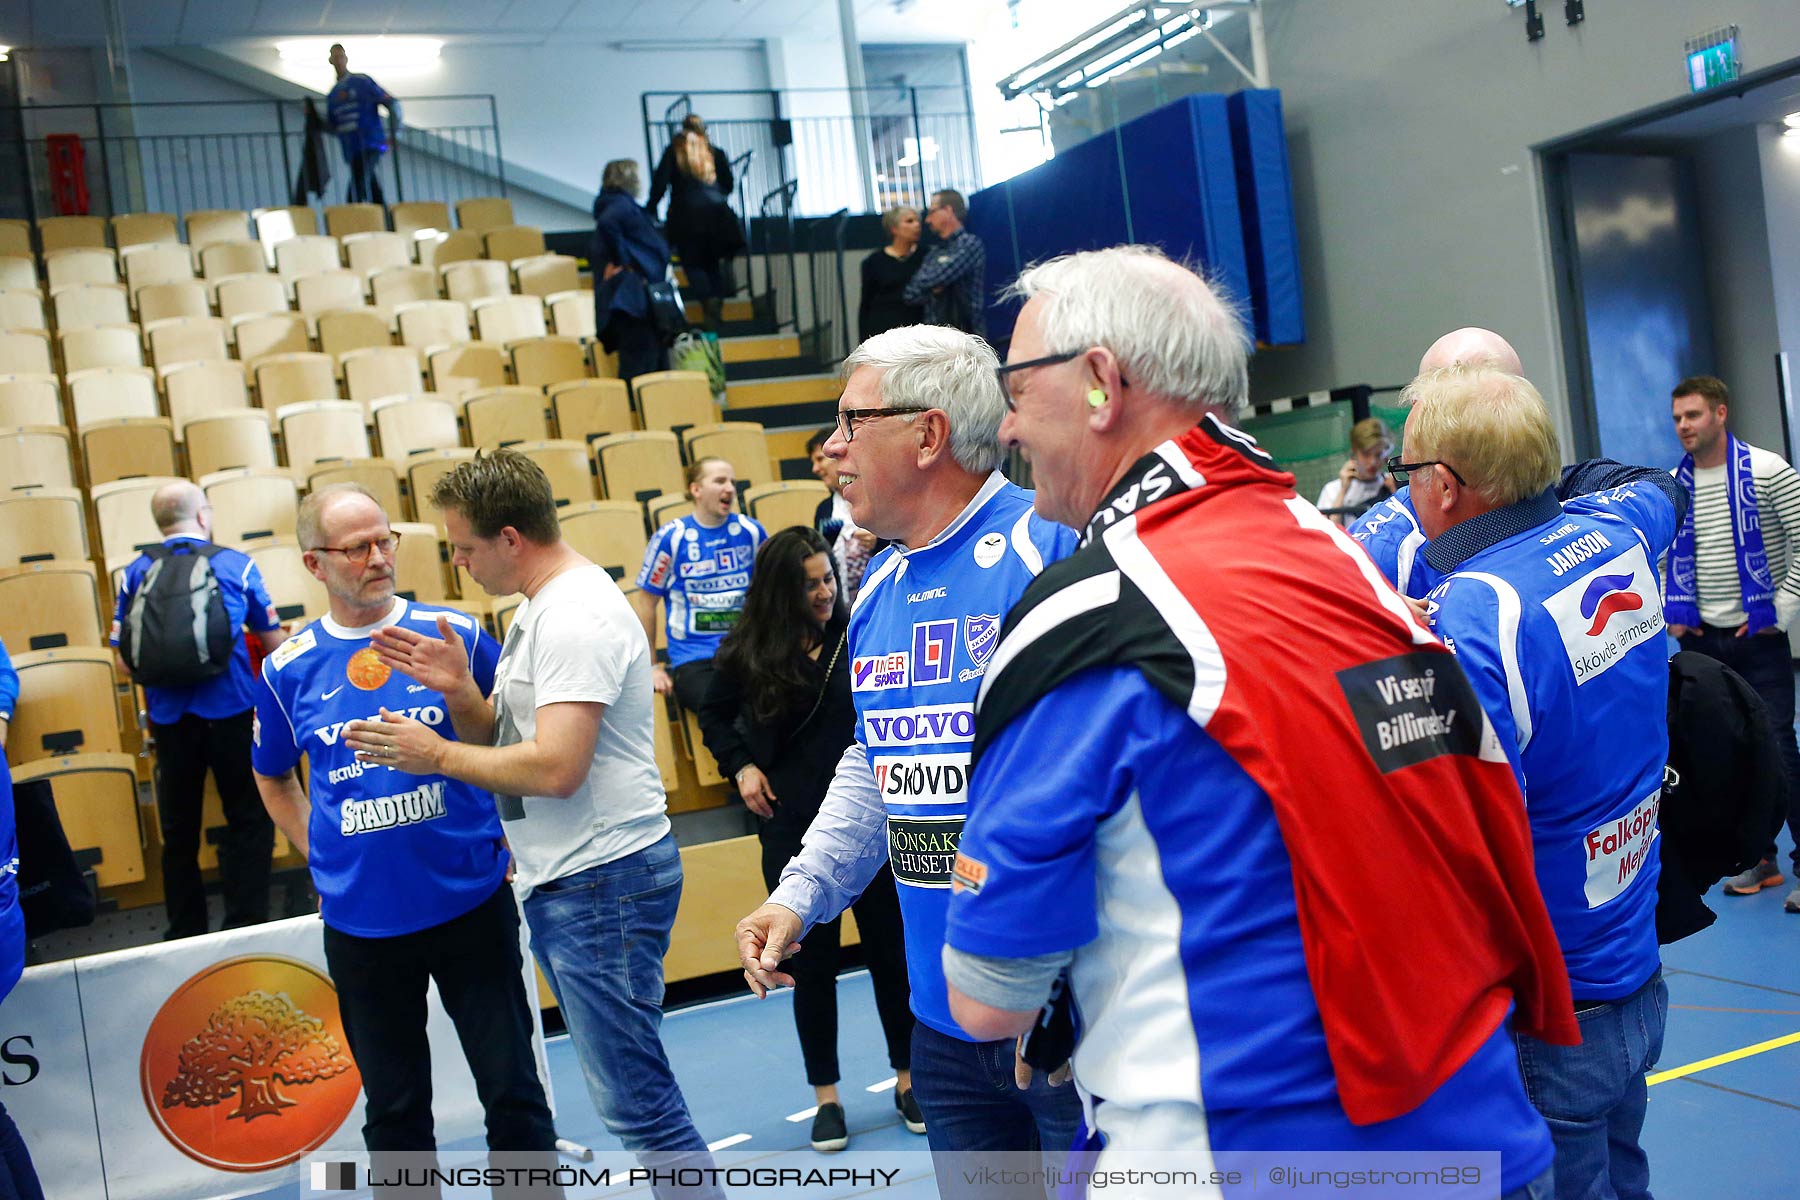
[
  {"x": 18, "y": 1181},
  {"x": 1593, "y": 1095},
  {"x": 600, "y": 936},
  {"x": 970, "y": 1102}
]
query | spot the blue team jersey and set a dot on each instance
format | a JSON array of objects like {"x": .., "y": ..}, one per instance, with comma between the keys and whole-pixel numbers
[
  {"x": 925, "y": 624},
  {"x": 391, "y": 853},
  {"x": 351, "y": 107},
  {"x": 703, "y": 571},
  {"x": 12, "y": 916},
  {"x": 1390, "y": 533},
  {"x": 247, "y": 605},
  {"x": 1109, "y": 823},
  {"x": 1560, "y": 630}
]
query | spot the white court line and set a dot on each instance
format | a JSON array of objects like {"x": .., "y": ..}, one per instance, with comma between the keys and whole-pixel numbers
[
  {"x": 884, "y": 1085},
  {"x": 733, "y": 1140},
  {"x": 805, "y": 1114}
]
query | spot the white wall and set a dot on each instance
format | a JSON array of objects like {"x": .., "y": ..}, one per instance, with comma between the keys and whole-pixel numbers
[{"x": 1418, "y": 201}]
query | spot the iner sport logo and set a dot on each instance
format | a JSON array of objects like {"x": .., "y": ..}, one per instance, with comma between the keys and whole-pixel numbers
[{"x": 1606, "y": 596}]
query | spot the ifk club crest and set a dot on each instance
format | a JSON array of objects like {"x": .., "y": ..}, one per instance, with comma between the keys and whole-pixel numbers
[{"x": 246, "y": 1066}]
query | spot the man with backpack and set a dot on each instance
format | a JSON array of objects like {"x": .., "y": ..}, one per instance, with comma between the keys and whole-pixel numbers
[{"x": 176, "y": 625}]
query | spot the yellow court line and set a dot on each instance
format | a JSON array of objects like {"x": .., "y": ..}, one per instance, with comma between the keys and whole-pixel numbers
[{"x": 1719, "y": 1060}]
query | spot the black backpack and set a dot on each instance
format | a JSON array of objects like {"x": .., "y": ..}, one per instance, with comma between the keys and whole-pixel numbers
[{"x": 175, "y": 632}]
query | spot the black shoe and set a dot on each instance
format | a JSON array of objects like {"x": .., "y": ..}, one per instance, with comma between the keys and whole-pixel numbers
[
  {"x": 909, "y": 1110},
  {"x": 829, "y": 1133}
]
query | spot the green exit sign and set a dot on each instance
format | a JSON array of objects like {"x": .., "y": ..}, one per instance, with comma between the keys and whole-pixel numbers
[{"x": 1713, "y": 65}]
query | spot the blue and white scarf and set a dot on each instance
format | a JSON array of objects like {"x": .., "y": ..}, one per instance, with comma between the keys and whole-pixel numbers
[{"x": 1681, "y": 592}]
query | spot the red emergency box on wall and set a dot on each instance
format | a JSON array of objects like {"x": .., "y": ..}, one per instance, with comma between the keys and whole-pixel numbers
[{"x": 68, "y": 174}]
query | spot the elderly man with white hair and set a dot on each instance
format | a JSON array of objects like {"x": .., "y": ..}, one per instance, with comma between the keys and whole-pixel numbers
[
  {"x": 917, "y": 451},
  {"x": 1261, "y": 772}
]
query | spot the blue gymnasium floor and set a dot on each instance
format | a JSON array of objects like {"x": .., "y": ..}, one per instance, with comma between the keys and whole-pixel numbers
[{"x": 1727, "y": 1128}]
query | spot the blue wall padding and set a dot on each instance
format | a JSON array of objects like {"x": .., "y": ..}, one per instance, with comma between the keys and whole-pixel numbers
[
  {"x": 1266, "y": 197},
  {"x": 1171, "y": 178}
]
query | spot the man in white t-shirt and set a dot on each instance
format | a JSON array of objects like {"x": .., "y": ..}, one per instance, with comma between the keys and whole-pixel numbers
[{"x": 572, "y": 766}]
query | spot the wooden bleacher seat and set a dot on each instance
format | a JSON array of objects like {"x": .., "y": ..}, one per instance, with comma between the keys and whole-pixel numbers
[
  {"x": 666, "y": 507},
  {"x": 409, "y": 424},
  {"x": 740, "y": 443},
  {"x": 27, "y": 353},
  {"x": 675, "y": 399},
  {"x": 609, "y": 532},
  {"x": 136, "y": 229},
  {"x": 297, "y": 593},
  {"x": 230, "y": 260},
  {"x": 272, "y": 333},
  {"x": 251, "y": 505},
  {"x": 306, "y": 255},
  {"x": 208, "y": 226},
  {"x": 20, "y": 309},
  {"x": 66, "y": 705},
  {"x": 33, "y": 456},
  {"x": 411, "y": 217},
  {"x": 277, "y": 225},
  {"x": 50, "y": 606},
  {"x": 776, "y": 506},
  {"x": 15, "y": 238},
  {"x": 482, "y": 213},
  {"x": 18, "y": 270},
  {"x": 571, "y": 313},
  {"x": 636, "y": 466},
  {"x": 321, "y": 431},
  {"x": 42, "y": 525},
  {"x": 249, "y": 296},
  {"x": 122, "y": 516},
  {"x": 502, "y": 320},
  {"x": 542, "y": 362},
  {"x": 319, "y": 291},
  {"x": 432, "y": 322},
  {"x": 127, "y": 448},
  {"x": 423, "y": 471},
  {"x": 96, "y": 797},
  {"x": 162, "y": 301},
  {"x": 229, "y": 441},
  {"x": 155, "y": 262},
  {"x": 546, "y": 275},
  {"x": 65, "y": 233},
  {"x": 465, "y": 366},
  {"x": 86, "y": 305},
  {"x": 373, "y": 475},
  {"x": 375, "y": 251},
  {"x": 394, "y": 286},
  {"x": 201, "y": 389},
  {"x": 80, "y": 264},
  {"x": 284, "y": 379},
  {"x": 419, "y": 564},
  {"x": 101, "y": 346},
  {"x": 566, "y": 464},
  {"x": 346, "y": 330},
  {"x": 472, "y": 279},
  {"x": 506, "y": 243},
  {"x": 495, "y": 417},
  {"x": 457, "y": 245},
  {"x": 30, "y": 400},
  {"x": 345, "y": 220},
  {"x": 370, "y": 374},
  {"x": 177, "y": 340},
  {"x": 584, "y": 409}
]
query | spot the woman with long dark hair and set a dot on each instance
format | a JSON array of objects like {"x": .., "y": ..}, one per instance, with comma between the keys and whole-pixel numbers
[
  {"x": 701, "y": 225},
  {"x": 778, "y": 716}
]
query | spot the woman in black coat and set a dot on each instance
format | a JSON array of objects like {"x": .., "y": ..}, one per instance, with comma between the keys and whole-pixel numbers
[
  {"x": 705, "y": 232},
  {"x": 885, "y": 274},
  {"x": 626, "y": 255},
  {"x": 777, "y": 717}
]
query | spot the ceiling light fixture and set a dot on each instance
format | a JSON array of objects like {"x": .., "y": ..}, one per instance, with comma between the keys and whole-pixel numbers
[
  {"x": 1792, "y": 120},
  {"x": 5, "y": 53},
  {"x": 365, "y": 54}
]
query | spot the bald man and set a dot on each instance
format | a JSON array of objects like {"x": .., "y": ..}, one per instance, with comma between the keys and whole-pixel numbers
[
  {"x": 1390, "y": 531},
  {"x": 199, "y": 692}
]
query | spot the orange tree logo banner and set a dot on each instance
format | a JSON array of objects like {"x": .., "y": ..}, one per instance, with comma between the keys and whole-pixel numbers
[{"x": 246, "y": 1066}]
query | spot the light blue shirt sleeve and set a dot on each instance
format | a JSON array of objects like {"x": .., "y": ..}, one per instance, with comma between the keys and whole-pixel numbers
[{"x": 843, "y": 848}]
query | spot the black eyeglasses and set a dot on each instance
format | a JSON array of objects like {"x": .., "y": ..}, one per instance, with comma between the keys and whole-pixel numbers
[
  {"x": 1002, "y": 373},
  {"x": 1399, "y": 470},
  {"x": 847, "y": 418},
  {"x": 359, "y": 555}
]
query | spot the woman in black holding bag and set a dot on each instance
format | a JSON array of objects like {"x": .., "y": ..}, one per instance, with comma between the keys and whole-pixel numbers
[
  {"x": 778, "y": 717},
  {"x": 704, "y": 230}
]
